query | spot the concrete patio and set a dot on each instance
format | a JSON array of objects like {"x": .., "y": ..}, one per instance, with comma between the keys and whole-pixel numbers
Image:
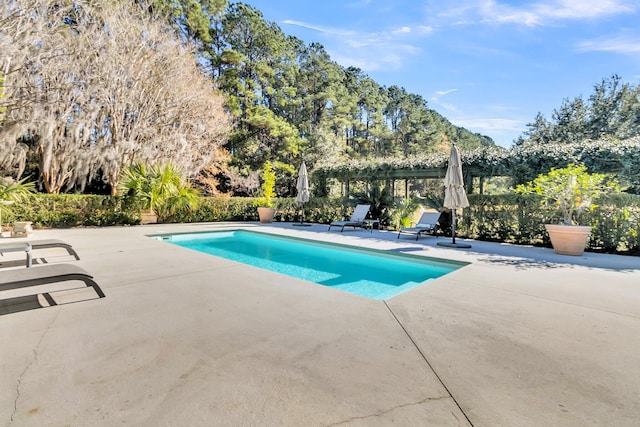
[{"x": 519, "y": 337}]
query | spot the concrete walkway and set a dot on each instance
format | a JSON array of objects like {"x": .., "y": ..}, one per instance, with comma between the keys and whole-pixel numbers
[{"x": 519, "y": 337}]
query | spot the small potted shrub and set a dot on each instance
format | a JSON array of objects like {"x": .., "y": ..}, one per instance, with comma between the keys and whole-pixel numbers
[
  {"x": 265, "y": 205},
  {"x": 570, "y": 190}
]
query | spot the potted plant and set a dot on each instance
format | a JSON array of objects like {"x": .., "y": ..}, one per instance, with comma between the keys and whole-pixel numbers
[
  {"x": 160, "y": 191},
  {"x": 265, "y": 205},
  {"x": 570, "y": 190}
]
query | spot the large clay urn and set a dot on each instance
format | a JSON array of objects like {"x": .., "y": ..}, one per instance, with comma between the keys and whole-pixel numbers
[
  {"x": 568, "y": 239},
  {"x": 266, "y": 214}
]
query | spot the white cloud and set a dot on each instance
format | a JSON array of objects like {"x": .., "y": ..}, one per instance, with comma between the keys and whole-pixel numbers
[
  {"x": 625, "y": 45},
  {"x": 418, "y": 29},
  {"x": 502, "y": 131},
  {"x": 490, "y": 125},
  {"x": 581, "y": 9},
  {"x": 446, "y": 105},
  {"x": 425, "y": 29},
  {"x": 319, "y": 28},
  {"x": 445, "y": 92},
  {"x": 368, "y": 63},
  {"x": 369, "y": 51},
  {"x": 452, "y": 108},
  {"x": 540, "y": 13},
  {"x": 401, "y": 30}
]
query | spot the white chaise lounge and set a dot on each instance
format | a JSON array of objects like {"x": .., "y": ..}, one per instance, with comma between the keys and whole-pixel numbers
[
  {"x": 356, "y": 220},
  {"x": 426, "y": 225}
]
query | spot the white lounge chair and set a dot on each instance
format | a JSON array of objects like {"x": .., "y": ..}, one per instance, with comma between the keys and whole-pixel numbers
[
  {"x": 356, "y": 220},
  {"x": 426, "y": 224}
]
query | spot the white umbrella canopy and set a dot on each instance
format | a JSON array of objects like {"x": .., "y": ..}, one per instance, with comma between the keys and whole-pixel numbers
[
  {"x": 303, "y": 189},
  {"x": 302, "y": 186},
  {"x": 455, "y": 197}
]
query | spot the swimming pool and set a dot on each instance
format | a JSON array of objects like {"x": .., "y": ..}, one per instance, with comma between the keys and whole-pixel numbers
[{"x": 370, "y": 273}]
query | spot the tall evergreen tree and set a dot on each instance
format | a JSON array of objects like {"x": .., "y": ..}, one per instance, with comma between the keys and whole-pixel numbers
[{"x": 611, "y": 111}]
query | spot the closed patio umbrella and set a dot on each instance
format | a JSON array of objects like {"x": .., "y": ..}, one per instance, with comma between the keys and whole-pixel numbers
[
  {"x": 303, "y": 189},
  {"x": 454, "y": 195}
]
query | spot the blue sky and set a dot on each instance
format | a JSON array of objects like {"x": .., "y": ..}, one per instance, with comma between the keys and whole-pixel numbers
[{"x": 487, "y": 65}]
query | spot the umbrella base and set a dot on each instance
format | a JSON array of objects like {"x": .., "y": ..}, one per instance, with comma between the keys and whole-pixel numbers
[{"x": 454, "y": 245}]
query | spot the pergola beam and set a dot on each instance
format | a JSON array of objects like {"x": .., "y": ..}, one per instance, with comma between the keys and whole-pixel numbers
[{"x": 393, "y": 175}]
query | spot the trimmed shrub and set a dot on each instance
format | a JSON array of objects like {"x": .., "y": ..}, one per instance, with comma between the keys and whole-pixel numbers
[{"x": 73, "y": 210}]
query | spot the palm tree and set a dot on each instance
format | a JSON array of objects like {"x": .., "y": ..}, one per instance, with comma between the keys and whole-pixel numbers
[
  {"x": 161, "y": 189},
  {"x": 15, "y": 191}
]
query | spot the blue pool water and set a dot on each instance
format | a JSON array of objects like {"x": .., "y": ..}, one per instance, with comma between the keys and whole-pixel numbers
[{"x": 371, "y": 273}]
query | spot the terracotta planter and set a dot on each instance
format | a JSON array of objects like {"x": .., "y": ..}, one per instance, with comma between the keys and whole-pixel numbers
[
  {"x": 148, "y": 217},
  {"x": 266, "y": 214},
  {"x": 568, "y": 239}
]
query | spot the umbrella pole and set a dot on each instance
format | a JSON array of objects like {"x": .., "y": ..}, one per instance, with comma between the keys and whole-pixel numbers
[
  {"x": 453, "y": 225},
  {"x": 302, "y": 223},
  {"x": 453, "y": 243}
]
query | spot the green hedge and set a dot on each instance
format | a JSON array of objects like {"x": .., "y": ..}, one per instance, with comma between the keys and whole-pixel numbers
[
  {"x": 507, "y": 218},
  {"x": 520, "y": 219},
  {"x": 71, "y": 210},
  {"x": 211, "y": 209},
  {"x": 76, "y": 210}
]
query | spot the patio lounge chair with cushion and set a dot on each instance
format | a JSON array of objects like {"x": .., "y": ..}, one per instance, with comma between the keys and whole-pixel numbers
[
  {"x": 356, "y": 220},
  {"x": 43, "y": 275},
  {"x": 426, "y": 224}
]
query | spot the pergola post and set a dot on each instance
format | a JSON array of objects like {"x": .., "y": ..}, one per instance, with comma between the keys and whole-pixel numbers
[{"x": 468, "y": 178}]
